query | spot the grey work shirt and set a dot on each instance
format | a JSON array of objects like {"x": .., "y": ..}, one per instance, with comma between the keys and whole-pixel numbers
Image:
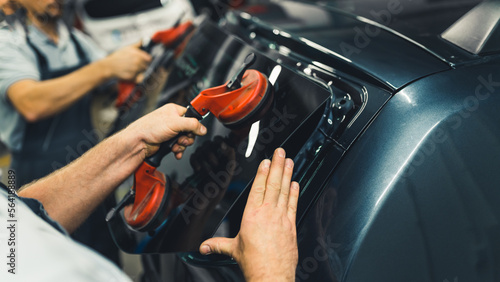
[
  {"x": 33, "y": 250},
  {"x": 18, "y": 62}
]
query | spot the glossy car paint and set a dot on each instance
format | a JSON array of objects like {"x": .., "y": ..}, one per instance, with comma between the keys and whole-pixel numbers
[
  {"x": 414, "y": 199},
  {"x": 352, "y": 40}
]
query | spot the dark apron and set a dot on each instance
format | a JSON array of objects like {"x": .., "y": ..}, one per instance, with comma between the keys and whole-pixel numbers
[{"x": 53, "y": 142}]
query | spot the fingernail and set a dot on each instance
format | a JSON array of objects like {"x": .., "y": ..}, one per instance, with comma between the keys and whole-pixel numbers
[
  {"x": 295, "y": 185},
  {"x": 203, "y": 130},
  {"x": 289, "y": 163},
  {"x": 205, "y": 249},
  {"x": 266, "y": 163},
  {"x": 184, "y": 142},
  {"x": 281, "y": 152}
]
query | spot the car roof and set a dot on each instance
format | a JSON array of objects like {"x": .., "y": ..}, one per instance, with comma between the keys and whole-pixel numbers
[
  {"x": 424, "y": 22},
  {"x": 396, "y": 41}
]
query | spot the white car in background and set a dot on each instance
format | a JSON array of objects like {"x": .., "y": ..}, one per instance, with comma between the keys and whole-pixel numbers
[{"x": 117, "y": 23}]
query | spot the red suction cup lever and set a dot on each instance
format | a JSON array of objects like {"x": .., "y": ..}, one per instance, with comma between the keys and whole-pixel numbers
[{"x": 235, "y": 82}]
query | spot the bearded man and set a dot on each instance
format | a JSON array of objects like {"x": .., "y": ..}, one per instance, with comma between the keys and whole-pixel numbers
[{"x": 47, "y": 73}]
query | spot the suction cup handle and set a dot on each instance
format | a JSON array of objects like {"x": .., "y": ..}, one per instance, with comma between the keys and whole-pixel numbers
[
  {"x": 235, "y": 82},
  {"x": 166, "y": 147}
]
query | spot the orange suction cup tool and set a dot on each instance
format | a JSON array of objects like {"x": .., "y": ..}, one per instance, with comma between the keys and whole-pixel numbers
[
  {"x": 240, "y": 100},
  {"x": 151, "y": 198},
  {"x": 174, "y": 40},
  {"x": 171, "y": 36}
]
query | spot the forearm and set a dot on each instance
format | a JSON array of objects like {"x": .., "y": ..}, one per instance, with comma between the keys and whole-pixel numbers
[
  {"x": 72, "y": 193},
  {"x": 40, "y": 99},
  {"x": 271, "y": 276},
  {"x": 275, "y": 270}
]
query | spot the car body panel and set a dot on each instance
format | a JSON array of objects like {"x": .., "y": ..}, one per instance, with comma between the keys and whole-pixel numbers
[
  {"x": 414, "y": 198},
  {"x": 420, "y": 21},
  {"x": 354, "y": 40}
]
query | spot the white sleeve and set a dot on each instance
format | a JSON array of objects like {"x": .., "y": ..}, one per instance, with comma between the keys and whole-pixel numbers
[{"x": 42, "y": 253}]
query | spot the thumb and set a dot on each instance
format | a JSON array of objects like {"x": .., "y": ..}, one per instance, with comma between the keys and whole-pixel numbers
[
  {"x": 173, "y": 115},
  {"x": 189, "y": 125},
  {"x": 221, "y": 246}
]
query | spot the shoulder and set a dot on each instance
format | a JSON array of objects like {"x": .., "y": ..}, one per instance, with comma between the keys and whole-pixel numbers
[
  {"x": 13, "y": 45},
  {"x": 12, "y": 36},
  {"x": 18, "y": 61},
  {"x": 4, "y": 24},
  {"x": 7, "y": 36}
]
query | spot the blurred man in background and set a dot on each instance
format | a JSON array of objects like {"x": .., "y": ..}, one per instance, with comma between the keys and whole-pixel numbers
[{"x": 46, "y": 75}]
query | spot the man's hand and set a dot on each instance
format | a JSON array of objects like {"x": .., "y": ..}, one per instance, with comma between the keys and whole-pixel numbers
[
  {"x": 126, "y": 63},
  {"x": 164, "y": 124},
  {"x": 266, "y": 246}
]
